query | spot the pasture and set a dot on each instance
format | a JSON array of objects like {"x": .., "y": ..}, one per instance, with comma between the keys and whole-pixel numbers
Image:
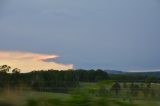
[{"x": 87, "y": 94}]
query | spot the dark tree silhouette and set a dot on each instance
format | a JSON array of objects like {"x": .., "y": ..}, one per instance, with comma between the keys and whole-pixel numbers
[
  {"x": 4, "y": 68},
  {"x": 116, "y": 88},
  {"x": 16, "y": 71}
]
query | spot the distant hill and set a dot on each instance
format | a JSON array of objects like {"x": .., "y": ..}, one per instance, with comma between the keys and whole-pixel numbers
[
  {"x": 155, "y": 74},
  {"x": 114, "y": 72}
]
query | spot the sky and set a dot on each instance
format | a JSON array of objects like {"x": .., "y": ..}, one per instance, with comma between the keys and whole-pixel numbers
[{"x": 89, "y": 34}]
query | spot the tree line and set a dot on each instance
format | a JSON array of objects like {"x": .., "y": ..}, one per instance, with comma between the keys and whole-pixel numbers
[
  {"x": 48, "y": 80},
  {"x": 62, "y": 81}
]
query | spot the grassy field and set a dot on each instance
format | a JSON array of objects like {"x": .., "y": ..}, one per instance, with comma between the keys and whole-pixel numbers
[
  {"x": 77, "y": 97},
  {"x": 61, "y": 99}
]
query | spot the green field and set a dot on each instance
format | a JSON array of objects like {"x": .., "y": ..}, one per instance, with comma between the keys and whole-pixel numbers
[
  {"x": 81, "y": 96},
  {"x": 61, "y": 99}
]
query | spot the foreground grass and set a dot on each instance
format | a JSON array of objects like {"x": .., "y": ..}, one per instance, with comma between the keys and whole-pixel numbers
[
  {"x": 30, "y": 98},
  {"x": 77, "y": 97}
]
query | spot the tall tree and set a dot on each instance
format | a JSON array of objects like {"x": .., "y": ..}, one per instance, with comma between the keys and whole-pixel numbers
[
  {"x": 116, "y": 88},
  {"x": 4, "y": 68}
]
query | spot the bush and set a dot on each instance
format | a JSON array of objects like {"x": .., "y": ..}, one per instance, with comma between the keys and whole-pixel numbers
[{"x": 32, "y": 102}]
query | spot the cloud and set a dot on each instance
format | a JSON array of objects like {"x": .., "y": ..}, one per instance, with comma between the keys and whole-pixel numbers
[{"x": 28, "y": 61}]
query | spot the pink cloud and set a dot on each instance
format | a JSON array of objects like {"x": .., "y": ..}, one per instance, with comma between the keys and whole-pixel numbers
[{"x": 28, "y": 61}]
